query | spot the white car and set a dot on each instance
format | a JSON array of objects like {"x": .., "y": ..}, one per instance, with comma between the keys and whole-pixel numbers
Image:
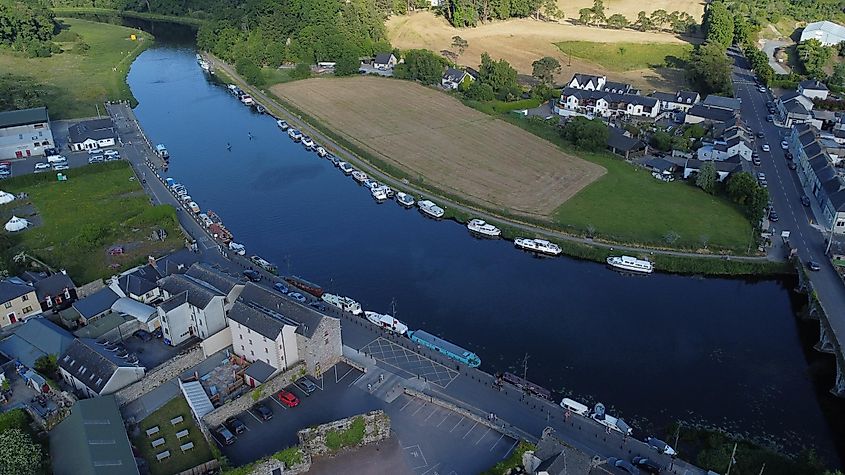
[
  {"x": 95, "y": 159},
  {"x": 784, "y": 145},
  {"x": 111, "y": 153},
  {"x": 762, "y": 89},
  {"x": 56, "y": 158},
  {"x": 61, "y": 166},
  {"x": 42, "y": 166},
  {"x": 94, "y": 151},
  {"x": 765, "y": 147}
]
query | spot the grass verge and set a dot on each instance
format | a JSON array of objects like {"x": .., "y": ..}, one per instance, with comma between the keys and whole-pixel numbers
[
  {"x": 83, "y": 79},
  {"x": 628, "y": 56},
  {"x": 178, "y": 460},
  {"x": 78, "y": 220},
  {"x": 338, "y": 439},
  {"x": 513, "y": 461}
]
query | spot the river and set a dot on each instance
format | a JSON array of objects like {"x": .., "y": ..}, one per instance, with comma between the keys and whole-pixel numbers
[{"x": 728, "y": 353}]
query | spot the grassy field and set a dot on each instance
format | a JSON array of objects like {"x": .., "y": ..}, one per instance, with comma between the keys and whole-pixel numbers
[
  {"x": 628, "y": 56},
  {"x": 78, "y": 220},
  {"x": 436, "y": 140},
  {"x": 83, "y": 80},
  {"x": 184, "y": 20},
  {"x": 178, "y": 460}
]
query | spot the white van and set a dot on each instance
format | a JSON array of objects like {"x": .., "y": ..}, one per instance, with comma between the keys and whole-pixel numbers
[
  {"x": 56, "y": 158},
  {"x": 575, "y": 407}
]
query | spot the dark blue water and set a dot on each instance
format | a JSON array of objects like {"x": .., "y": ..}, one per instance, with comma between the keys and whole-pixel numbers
[{"x": 656, "y": 349}]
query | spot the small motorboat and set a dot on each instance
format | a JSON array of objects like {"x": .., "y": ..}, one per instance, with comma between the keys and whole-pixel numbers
[
  {"x": 479, "y": 226},
  {"x": 335, "y": 161},
  {"x": 379, "y": 194},
  {"x": 307, "y": 141},
  {"x": 238, "y": 249},
  {"x": 359, "y": 176},
  {"x": 345, "y": 167},
  {"x": 405, "y": 199},
  {"x": 321, "y": 152},
  {"x": 370, "y": 183},
  {"x": 294, "y": 134},
  {"x": 260, "y": 109},
  {"x": 430, "y": 209},
  {"x": 538, "y": 245},
  {"x": 282, "y": 124}
]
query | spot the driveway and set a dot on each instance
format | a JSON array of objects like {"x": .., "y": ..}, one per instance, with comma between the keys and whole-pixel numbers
[{"x": 769, "y": 47}]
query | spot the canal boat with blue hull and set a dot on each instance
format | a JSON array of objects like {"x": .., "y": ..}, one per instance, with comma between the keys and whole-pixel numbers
[{"x": 446, "y": 348}]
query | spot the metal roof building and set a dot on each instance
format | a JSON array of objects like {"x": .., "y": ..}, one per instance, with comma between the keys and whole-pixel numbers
[{"x": 827, "y": 32}]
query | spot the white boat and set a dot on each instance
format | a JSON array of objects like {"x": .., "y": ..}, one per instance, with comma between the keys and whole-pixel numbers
[
  {"x": 378, "y": 194},
  {"x": 321, "y": 152},
  {"x": 387, "y": 322},
  {"x": 199, "y": 58},
  {"x": 195, "y": 208},
  {"x": 601, "y": 416},
  {"x": 630, "y": 264},
  {"x": 282, "y": 124},
  {"x": 388, "y": 191},
  {"x": 359, "y": 176},
  {"x": 238, "y": 249},
  {"x": 247, "y": 100},
  {"x": 430, "y": 209},
  {"x": 294, "y": 134},
  {"x": 306, "y": 140},
  {"x": 482, "y": 227},
  {"x": 344, "y": 303},
  {"x": 371, "y": 184},
  {"x": 538, "y": 245},
  {"x": 404, "y": 199},
  {"x": 204, "y": 65},
  {"x": 345, "y": 167}
]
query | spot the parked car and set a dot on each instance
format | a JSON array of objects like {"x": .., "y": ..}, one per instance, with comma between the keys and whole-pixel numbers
[
  {"x": 660, "y": 446},
  {"x": 765, "y": 147},
  {"x": 761, "y": 176},
  {"x": 61, "y": 166},
  {"x": 814, "y": 266},
  {"x": 805, "y": 200},
  {"x": 96, "y": 159},
  {"x": 306, "y": 385},
  {"x": 762, "y": 89},
  {"x": 318, "y": 305},
  {"x": 756, "y": 161},
  {"x": 226, "y": 435},
  {"x": 263, "y": 411},
  {"x": 41, "y": 166},
  {"x": 235, "y": 425},
  {"x": 760, "y": 134},
  {"x": 94, "y": 151},
  {"x": 281, "y": 287},
  {"x": 297, "y": 296},
  {"x": 252, "y": 275},
  {"x": 792, "y": 165},
  {"x": 647, "y": 464},
  {"x": 143, "y": 335},
  {"x": 770, "y": 118},
  {"x": 56, "y": 158},
  {"x": 784, "y": 145},
  {"x": 111, "y": 153},
  {"x": 624, "y": 465},
  {"x": 287, "y": 398},
  {"x": 773, "y": 216}
]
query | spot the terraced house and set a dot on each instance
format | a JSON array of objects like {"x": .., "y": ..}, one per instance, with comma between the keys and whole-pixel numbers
[{"x": 822, "y": 182}]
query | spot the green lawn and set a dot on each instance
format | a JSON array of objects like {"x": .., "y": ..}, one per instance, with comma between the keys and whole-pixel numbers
[
  {"x": 178, "y": 460},
  {"x": 513, "y": 461},
  {"x": 628, "y": 56},
  {"x": 99, "y": 206},
  {"x": 276, "y": 76},
  {"x": 83, "y": 80}
]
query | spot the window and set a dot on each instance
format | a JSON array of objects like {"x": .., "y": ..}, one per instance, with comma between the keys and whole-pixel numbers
[
  {"x": 266, "y": 350},
  {"x": 251, "y": 352},
  {"x": 24, "y": 298},
  {"x": 250, "y": 342},
  {"x": 8, "y": 304},
  {"x": 242, "y": 337},
  {"x": 27, "y": 309}
]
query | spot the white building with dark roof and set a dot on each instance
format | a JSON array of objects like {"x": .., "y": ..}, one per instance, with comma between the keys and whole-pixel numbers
[
  {"x": 827, "y": 32},
  {"x": 261, "y": 334},
  {"x": 94, "y": 371},
  {"x": 596, "y": 103},
  {"x": 140, "y": 284},
  {"x": 679, "y": 101},
  {"x": 92, "y": 134},
  {"x": 818, "y": 177},
  {"x": 453, "y": 78},
  {"x": 813, "y": 89},
  {"x": 190, "y": 309},
  {"x": 722, "y": 102},
  {"x": 25, "y": 132}
]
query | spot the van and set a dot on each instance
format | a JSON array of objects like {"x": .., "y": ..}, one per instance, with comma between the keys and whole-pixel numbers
[
  {"x": 575, "y": 406},
  {"x": 56, "y": 158}
]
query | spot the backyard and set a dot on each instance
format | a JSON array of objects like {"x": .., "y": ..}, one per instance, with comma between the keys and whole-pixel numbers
[
  {"x": 178, "y": 460},
  {"x": 76, "y": 222},
  {"x": 82, "y": 76}
]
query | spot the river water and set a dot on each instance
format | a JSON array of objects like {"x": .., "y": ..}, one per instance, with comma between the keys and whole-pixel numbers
[{"x": 728, "y": 353}]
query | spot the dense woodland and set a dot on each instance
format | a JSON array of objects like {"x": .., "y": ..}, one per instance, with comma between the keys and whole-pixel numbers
[{"x": 27, "y": 26}]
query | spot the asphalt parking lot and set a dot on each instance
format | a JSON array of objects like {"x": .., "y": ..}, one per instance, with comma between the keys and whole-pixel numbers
[
  {"x": 154, "y": 352},
  {"x": 409, "y": 364}
]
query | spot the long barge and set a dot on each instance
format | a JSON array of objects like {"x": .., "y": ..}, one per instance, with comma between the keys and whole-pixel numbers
[
  {"x": 446, "y": 348},
  {"x": 303, "y": 284}
]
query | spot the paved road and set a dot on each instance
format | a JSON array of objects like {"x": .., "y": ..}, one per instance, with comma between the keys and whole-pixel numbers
[
  {"x": 769, "y": 47},
  {"x": 786, "y": 191},
  {"x": 529, "y": 229}
]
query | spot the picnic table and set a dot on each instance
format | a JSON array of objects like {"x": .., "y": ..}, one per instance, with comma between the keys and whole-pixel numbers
[
  {"x": 158, "y": 442},
  {"x": 176, "y": 420},
  {"x": 182, "y": 433},
  {"x": 186, "y": 447},
  {"x": 152, "y": 430},
  {"x": 162, "y": 455}
]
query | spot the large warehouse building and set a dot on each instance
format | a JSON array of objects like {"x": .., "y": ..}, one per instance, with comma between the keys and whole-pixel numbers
[
  {"x": 24, "y": 133},
  {"x": 827, "y": 32}
]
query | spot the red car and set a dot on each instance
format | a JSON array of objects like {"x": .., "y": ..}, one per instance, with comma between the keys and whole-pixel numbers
[{"x": 288, "y": 399}]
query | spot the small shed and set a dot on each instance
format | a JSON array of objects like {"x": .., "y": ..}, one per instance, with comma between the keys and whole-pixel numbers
[{"x": 258, "y": 373}]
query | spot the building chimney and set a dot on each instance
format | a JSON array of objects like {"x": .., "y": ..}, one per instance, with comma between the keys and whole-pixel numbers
[{"x": 151, "y": 260}]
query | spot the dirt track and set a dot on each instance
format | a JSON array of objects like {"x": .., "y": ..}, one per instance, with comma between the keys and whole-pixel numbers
[
  {"x": 431, "y": 135},
  {"x": 523, "y": 41}
]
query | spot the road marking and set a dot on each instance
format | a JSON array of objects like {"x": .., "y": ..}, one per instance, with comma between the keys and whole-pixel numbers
[
  {"x": 496, "y": 443},
  {"x": 418, "y": 409},
  {"x": 470, "y": 430},
  {"x": 356, "y": 380},
  {"x": 444, "y": 419},
  {"x": 482, "y": 436},
  {"x": 456, "y": 425},
  {"x": 277, "y": 402},
  {"x": 507, "y": 454},
  {"x": 429, "y": 416},
  {"x": 255, "y": 417},
  {"x": 410, "y": 400},
  {"x": 432, "y": 468},
  {"x": 337, "y": 380}
]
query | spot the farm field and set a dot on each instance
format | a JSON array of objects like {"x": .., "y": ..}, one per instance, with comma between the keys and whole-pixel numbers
[
  {"x": 80, "y": 81},
  {"x": 622, "y": 57},
  {"x": 523, "y": 41},
  {"x": 630, "y": 8},
  {"x": 434, "y": 139},
  {"x": 78, "y": 220}
]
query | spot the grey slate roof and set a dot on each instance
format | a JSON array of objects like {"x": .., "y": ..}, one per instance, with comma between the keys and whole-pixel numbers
[
  {"x": 258, "y": 320},
  {"x": 96, "y": 303},
  {"x": 260, "y": 371},
  {"x": 90, "y": 363},
  {"x": 838, "y": 200},
  {"x": 132, "y": 284},
  {"x": 585, "y": 78},
  {"x": 220, "y": 281},
  {"x": 453, "y": 75},
  {"x": 814, "y": 84},
  {"x": 558, "y": 458},
  {"x": 729, "y": 166},
  {"x": 16, "y": 118},
  {"x": 174, "y": 302},
  {"x": 611, "y": 97},
  {"x": 37, "y": 337},
  {"x": 91, "y": 129},
  {"x": 796, "y": 107},
  {"x": 308, "y": 318},
  {"x": 10, "y": 290},
  {"x": 722, "y": 102},
  {"x": 659, "y": 164},
  {"x": 619, "y": 87},
  {"x": 198, "y": 295},
  {"x": 711, "y": 113},
  {"x": 617, "y": 139},
  {"x": 92, "y": 440},
  {"x": 382, "y": 58},
  {"x": 53, "y": 285}
]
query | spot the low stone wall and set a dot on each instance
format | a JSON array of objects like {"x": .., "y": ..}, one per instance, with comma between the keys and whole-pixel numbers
[
  {"x": 217, "y": 416},
  {"x": 312, "y": 441},
  {"x": 160, "y": 375},
  {"x": 267, "y": 467}
]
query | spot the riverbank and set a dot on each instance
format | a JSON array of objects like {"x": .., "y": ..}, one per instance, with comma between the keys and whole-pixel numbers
[
  {"x": 71, "y": 11},
  {"x": 575, "y": 246}
]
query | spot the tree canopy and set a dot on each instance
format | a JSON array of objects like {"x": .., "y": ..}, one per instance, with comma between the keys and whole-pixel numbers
[
  {"x": 499, "y": 75},
  {"x": 718, "y": 24},
  {"x": 710, "y": 69},
  {"x": 421, "y": 65},
  {"x": 26, "y": 25},
  {"x": 545, "y": 68},
  {"x": 586, "y": 134}
]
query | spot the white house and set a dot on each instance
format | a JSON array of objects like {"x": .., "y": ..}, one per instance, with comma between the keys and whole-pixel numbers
[
  {"x": 723, "y": 168},
  {"x": 813, "y": 89},
  {"x": 24, "y": 133},
  {"x": 681, "y": 100},
  {"x": 587, "y": 82},
  {"x": 140, "y": 283},
  {"x": 453, "y": 78},
  {"x": 191, "y": 309},
  {"x": 827, "y": 32},
  {"x": 262, "y": 334},
  {"x": 384, "y": 61},
  {"x": 94, "y": 371},
  {"x": 593, "y": 103},
  {"x": 92, "y": 134}
]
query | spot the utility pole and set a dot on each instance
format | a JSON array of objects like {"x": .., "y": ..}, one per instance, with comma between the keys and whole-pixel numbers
[
  {"x": 525, "y": 367},
  {"x": 731, "y": 461},
  {"x": 762, "y": 468}
]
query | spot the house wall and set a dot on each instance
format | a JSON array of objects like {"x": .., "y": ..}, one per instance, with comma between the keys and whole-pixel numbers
[
  {"x": 25, "y": 140},
  {"x": 232, "y": 296},
  {"x": 211, "y": 319},
  {"x": 122, "y": 377},
  {"x": 216, "y": 342},
  {"x": 176, "y": 325},
  {"x": 324, "y": 348},
  {"x": 280, "y": 353},
  {"x": 20, "y": 309},
  {"x": 78, "y": 386},
  {"x": 91, "y": 144}
]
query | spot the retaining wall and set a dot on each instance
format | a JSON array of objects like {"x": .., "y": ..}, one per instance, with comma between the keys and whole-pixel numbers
[{"x": 160, "y": 375}]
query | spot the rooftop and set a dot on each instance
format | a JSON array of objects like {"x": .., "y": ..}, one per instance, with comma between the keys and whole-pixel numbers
[
  {"x": 96, "y": 303},
  {"x": 11, "y": 290},
  {"x": 16, "y": 118},
  {"x": 35, "y": 338},
  {"x": 308, "y": 318}
]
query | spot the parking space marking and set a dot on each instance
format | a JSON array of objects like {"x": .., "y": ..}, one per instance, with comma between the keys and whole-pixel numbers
[
  {"x": 444, "y": 419},
  {"x": 410, "y": 400},
  {"x": 482, "y": 436},
  {"x": 336, "y": 379},
  {"x": 429, "y": 416},
  {"x": 321, "y": 385},
  {"x": 410, "y": 362},
  {"x": 254, "y": 417},
  {"x": 356, "y": 380},
  {"x": 507, "y": 454},
  {"x": 432, "y": 468},
  {"x": 277, "y": 402},
  {"x": 296, "y": 386},
  {"x": 496, "y": 443},
  {"x": 418, "y": 409},
  {"x": 416, "y": 451},
  {"x": 456, "y": 425},
  {"x": 470, "y": 430}
]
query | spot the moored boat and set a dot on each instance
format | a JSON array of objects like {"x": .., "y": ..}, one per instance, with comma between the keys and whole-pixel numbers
[
  {"x": 162, "y": 152},
  {"x": 344, "y": 303},
  {"x": 405, "y": 199},
  {"x": 238, "y": 249},
  {"x": 263, "y": 264},
  {"x": 378, "y": 194},
  {"x": 303, "y": 284},
  {"x": 484, "y": 228},
  {"x": 204, "y": 65},
  {"x": 345, "y": 167},
  {"x": 631, "y": 264},
  {"x": 218, "y": 231},
  {"x": 387, "y": 322},
  {"x": 260, "y": 109},
  {"x": 247, "y": 100},
  {"x": 307, "y": 141},
  {"x": 431, "y": 209},
  {"x": 321, "y": 152},
  {"x": 282, "y": 124},
  {"x": 294, "y": 134},
  {"x": 446, "y": 348},
  {"x": 359, "y": 176},
  {"x": 538, "y": 245}
]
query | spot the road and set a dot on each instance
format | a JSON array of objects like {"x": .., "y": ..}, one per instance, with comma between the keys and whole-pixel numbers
[{"x": 785, "y": 191}]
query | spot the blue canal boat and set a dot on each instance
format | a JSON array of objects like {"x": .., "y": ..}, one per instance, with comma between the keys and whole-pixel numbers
[{"x": 449, "y": 349}]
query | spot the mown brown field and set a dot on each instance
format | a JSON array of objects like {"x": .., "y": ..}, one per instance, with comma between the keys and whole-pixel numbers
[{"x": 433, "y": 137}]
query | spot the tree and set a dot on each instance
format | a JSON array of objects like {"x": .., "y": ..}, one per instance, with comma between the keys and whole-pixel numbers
[
  {"x": 598, "y": 12},
  {"x": 742, "y": 30},
  {"x": 718, "y": 24},
  {"x": 347, "y": 64},
  {"x": 549, "y": 9},
  {"x": 710, "y": 69},
  {"x": 250, "y": 71},
  {"x": 460, "y": 44},
  {"x": 478, "y": 91},
  {"x": 707, "y": 177},
  {"x": 585, "y": 16},
  {"x": 586, "y": 134},
  {"x": 643, "y": 22},
  {"x": 661, "y": 140},
  {"x": 814, "y": 56},
  {"x": 617, "y": 21},
  {"x": 499, "y": 75},
  {"x": 545, "y": 68},
  {"x": 837, "y": 79},
  {"x": 744, "y": 190},
  {"x": 659, "y": 18},
  {"x": 18, "y": 453},
  {"x": 46, "y": 365},
  {"x": 420, "y": 65}
]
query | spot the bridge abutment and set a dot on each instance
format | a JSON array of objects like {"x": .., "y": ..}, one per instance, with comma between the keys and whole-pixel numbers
[{"x": 825, "y": 344}]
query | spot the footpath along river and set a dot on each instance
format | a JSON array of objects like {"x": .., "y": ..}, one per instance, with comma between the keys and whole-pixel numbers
[{"x": 725, "y": 352}]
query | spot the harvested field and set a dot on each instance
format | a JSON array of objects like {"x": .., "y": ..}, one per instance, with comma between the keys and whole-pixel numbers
[
  {"x": 523, "y": 41},
  {"x": 630, "y": 8},
  {"x": 434, "y": 138}
]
